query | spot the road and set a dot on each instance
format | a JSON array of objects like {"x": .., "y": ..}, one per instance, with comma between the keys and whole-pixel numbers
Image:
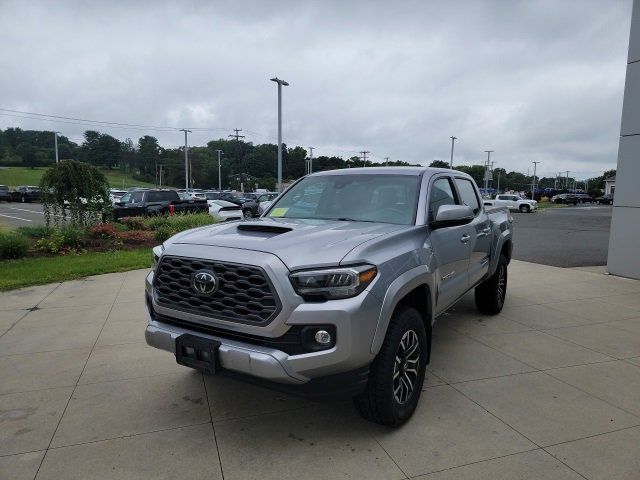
[
  {"x": 563, "y": 237},
  {"x": 14, "y": 215}
]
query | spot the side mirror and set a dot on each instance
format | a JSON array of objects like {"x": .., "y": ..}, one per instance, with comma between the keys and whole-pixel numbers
[{"x": 452, "y": 215}]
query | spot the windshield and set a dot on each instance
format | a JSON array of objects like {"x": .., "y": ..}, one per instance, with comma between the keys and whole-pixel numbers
[{"x": 357, "y": 197}]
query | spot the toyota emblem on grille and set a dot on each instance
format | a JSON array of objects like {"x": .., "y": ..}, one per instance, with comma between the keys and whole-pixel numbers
[{"x": 204, "y": 282}]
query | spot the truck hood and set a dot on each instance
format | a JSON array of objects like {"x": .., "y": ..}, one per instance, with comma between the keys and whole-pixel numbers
[{"x": 299, "y": 243}]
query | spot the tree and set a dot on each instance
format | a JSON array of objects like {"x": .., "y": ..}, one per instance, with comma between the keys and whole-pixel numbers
[
  {"x": 74, "y": 192},
  {"x": 439, "y": 164}
]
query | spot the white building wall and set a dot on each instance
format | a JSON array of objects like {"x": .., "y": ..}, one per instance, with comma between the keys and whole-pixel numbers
[{"x": 624, "y": 241}]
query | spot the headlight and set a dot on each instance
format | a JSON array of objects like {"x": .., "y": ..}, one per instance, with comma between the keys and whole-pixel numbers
[
  {"x": 157, "y": 253},
  {"x": 333, "y": 283}
]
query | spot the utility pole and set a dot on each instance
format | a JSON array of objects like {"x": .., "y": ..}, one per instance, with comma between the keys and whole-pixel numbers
[
  {"x": 386, "y": 161},
  {"x": 486, "y": 177},
  {"x": 55, "y": 136},
  {"x": 219, "y": 171},
  {"x": 310, "y": 161},
  {"x": 186, "y": 158},
  {"x": 280, "y": 84},
  {"x": 364, "y": 156},
  {"x": 533, "y": 183},
  {"x": 453, "y": 141},
  {"x": 161, "y": 175},
  {"x": 498, "y": 188},
  {"x": 237, "y": 136}
]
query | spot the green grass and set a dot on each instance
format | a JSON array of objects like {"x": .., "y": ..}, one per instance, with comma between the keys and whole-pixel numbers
[
  {"x": 26, "y": 272},
  {"x": 14, "y": 176},
  {"x": 545, "y": 205}
]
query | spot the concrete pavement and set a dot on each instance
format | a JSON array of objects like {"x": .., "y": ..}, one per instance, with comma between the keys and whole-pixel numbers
[{"x": 547, "y": 389}]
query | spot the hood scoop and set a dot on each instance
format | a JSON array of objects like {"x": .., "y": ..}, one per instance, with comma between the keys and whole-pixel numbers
[{"x": 263, "y": 228}]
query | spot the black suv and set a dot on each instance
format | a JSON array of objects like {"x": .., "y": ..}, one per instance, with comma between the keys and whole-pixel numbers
[
  {"x": 5, "y": 194},
  {"x": 605, "y": 200},
  {"x": 26, "y": 194}
]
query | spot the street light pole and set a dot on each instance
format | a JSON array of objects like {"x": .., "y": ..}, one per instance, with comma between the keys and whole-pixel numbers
[
  {"x": 55, "y": 136},
  {"x": 386, "y": 160},
  {"x": 186, "y": 158},
  {"x": 453, "y": 141},
  {"x": 486, "y": 177},
  {"x": 311, "y": 160},
  {"x": 219, "y": 171},
  {"x": 280, "y": 84},
  {"x": 533, "y": 182}
]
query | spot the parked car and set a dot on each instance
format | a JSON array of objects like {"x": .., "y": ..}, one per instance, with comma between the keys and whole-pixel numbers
[
  {"x": 565, "y": 198},
  {"x": 512, "y": 202},
  {"x": 155, "y": 202},
  {"x": 605, "y": 200},
  {"x": 26, "y": 194},
  {"x": 251, "y": 208},
  {"x": 223, "y": 210},
  {"x": 336, "y": 287},
  {"x": 584, "y": 198},
  {"x": 115, "y": 195},
  {"x": 5, "y": 194}
]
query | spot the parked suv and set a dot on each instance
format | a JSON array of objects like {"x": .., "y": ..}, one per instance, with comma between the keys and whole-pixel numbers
[
  {"x": 5, "y": 194},
  {"x": 26, "y": 194},
  {"x": 251, "y": 208},
  {"x": 335, "y": 289}
]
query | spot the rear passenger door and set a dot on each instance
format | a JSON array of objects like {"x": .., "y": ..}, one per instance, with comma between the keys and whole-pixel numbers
[
  {"x": 479, "y": 231},
  {"x": 450, "y": 246}
]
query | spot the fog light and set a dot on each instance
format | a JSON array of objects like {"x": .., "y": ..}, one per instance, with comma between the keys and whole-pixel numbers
[{"x": 323, "y": 337}]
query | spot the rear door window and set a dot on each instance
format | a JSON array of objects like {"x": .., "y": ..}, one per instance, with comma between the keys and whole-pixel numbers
[{"x": 468, "y": 194}]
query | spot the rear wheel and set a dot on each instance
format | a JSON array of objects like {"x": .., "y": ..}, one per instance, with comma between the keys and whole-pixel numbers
[
  {"x": 247, "y": 213},
  {"x": 491, "y": 293},
  {"x": 525, "y": 208},
  {"x": 397, "y": 373}
]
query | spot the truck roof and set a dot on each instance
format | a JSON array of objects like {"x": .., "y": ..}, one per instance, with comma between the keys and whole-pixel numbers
[{"x": 417, "y": 171}]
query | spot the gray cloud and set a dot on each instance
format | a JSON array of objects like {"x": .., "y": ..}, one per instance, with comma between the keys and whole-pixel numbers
[{"x": 532, "y": 80}]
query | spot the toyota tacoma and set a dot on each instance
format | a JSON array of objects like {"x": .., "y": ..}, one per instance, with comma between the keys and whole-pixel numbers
[{"x": 336, "y": 287}]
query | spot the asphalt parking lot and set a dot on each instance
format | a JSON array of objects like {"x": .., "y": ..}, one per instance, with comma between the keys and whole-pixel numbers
[
  {"x": 549, "y": 389},
  {"x": 15, "y": 215},
  {"x": 563, "y": 237}
]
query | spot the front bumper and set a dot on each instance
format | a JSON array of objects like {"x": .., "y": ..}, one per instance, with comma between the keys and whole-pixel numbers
[{"x": 354, "y": 319}]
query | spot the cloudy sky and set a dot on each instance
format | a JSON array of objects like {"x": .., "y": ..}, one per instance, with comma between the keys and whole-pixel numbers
[{"x": 532, "y": 80}]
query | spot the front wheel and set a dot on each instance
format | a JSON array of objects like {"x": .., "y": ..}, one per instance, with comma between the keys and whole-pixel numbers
[
  {"x": 491, "y": 293},
  {"x": 525, "y": 208},
  {"x": 247, "y": 214},
  {"x": 397, "y": 373}
]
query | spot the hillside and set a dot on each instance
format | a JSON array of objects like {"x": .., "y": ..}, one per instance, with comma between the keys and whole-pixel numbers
[{"x": 13, "y": 176}]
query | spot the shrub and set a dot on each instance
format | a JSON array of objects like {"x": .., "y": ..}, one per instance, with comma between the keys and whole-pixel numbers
[
  {"x": 134, "y": 223},
  {"x": 65, "y": 238},
  {"x": 12, "y": 245},
  {"x": 104, "y": 230},
  {"x": 35, "y": 232},
  {"x": 165, "y": 227},
  {"x": 135, "y": 237},
  {"x": 74, "y": 192}
]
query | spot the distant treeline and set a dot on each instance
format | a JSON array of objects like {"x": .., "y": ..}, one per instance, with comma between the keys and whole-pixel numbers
[{"x": 241, "y": 161}]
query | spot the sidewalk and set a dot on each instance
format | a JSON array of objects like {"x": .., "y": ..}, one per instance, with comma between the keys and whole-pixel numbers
[{"x": 550, "y": 388}]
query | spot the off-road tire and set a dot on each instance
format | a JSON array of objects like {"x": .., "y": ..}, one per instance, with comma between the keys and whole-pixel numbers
[
  {"x": 524, "y": 208},
  {"x": 378, "y": 403},
  {"x": 491, "y": 293}
]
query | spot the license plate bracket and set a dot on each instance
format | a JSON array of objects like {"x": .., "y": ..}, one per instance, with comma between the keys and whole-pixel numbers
[{"x": 199, "y": 353}]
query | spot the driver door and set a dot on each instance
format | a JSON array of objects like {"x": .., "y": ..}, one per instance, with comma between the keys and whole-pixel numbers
[{"x": 450, "y": 245}]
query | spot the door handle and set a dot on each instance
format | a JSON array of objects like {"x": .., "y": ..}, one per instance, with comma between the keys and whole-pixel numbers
[
  {"x": 486, "y": 230},
  {"x": 465, "y": 238}
]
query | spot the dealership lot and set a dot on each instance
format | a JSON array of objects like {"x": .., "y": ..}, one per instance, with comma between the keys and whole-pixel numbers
[
  {"x": 15, "y": 215},
  {"x": 563, "y": 237},
  {"x": 548, "y": 388}
]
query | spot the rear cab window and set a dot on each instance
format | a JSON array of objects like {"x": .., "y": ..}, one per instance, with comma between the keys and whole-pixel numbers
[
  {"x": 162, "y": 196},
  {"x": 468, "y": 194}
]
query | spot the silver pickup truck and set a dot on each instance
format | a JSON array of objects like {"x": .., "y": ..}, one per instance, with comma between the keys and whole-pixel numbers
[{"x": 336, "y": 287}]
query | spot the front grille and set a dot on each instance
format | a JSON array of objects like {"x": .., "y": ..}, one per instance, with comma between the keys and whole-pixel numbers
[{"x": 244, "y": 294}]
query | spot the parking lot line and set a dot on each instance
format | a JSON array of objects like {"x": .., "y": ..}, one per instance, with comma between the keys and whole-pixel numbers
[
  {"x": 26, "y": 210},
  {"x": 17, "y": 218}
]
